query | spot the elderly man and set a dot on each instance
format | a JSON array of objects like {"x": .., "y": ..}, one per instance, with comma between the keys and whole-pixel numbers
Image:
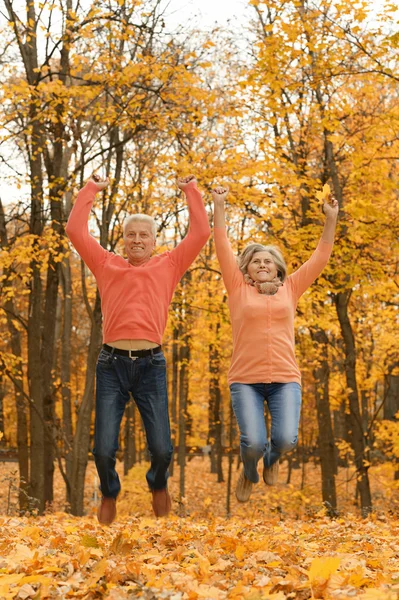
[{"x": 135, "y": 296}]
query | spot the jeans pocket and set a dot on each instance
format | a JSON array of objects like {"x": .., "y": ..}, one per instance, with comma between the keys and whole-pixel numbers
[
  {"x": 104, "y": 358},
  {"x": 158, "y": 360}
]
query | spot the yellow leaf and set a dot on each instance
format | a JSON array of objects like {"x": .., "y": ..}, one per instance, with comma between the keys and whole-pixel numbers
[
  {"x": 33, "y": 533},
  {"x": 240, "y": 552},
  {"x": 98, "y": 572},
  {"x": 71, "y": 529},
  {"x": 324, "y": 192},
  {"x": 323, "y": 568},
  {"x": 89, "y": 542},
  {"x": 9, "y": 579},
  {"x": 37, "y": 579}
]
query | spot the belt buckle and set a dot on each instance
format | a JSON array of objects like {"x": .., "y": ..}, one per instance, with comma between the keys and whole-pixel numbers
[{"x": 132, "y": 357}]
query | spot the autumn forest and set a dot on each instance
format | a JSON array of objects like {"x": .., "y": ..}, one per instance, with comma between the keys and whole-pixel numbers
[{"x": 304, "y": 94}]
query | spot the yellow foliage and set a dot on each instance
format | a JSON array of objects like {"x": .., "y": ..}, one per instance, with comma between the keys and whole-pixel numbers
[{"x": 323, "y": 568}]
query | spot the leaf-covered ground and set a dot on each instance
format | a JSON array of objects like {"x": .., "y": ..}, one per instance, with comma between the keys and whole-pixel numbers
[{"x": 280, "y": 545}]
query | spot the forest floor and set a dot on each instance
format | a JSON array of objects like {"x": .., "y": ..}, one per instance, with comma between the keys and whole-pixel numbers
[{"x": 280, "y": 545}]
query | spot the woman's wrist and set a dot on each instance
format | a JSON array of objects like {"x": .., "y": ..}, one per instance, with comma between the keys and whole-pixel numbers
[{"x": 331, "y": 219}]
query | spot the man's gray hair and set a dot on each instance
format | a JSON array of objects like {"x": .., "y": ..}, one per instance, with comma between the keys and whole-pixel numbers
[
  {"x": 247, "y": 255},
  {"x": 143, "y": 219}
]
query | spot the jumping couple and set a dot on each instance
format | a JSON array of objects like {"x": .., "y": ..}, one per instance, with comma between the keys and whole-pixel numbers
[{"x": 136, "y": 292}]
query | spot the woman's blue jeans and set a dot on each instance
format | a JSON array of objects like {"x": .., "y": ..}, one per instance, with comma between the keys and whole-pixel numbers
[
  {"x": 145, "y": 378},
  {"x": 284, "y": 404}
]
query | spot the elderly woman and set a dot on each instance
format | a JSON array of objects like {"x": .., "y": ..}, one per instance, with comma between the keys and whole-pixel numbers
[{"x": 262, "y": 302}]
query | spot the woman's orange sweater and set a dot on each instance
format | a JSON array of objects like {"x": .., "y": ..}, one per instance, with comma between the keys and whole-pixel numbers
[{"x": 263, "y": 325}]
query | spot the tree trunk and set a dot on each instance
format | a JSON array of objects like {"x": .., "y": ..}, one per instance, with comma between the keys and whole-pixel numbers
[
  {"x": 183, "y": 393},
  {"x": 2, "y": 396},
  {"x": 47, "y": 362},
  {"x": 35, "y": 378},
  {"x": 326, "y": 434},
  {"x": 357, "y": 435},
  {"x": 215, "y": 418},
  {"x": 183, "y": 387},
  {"x": 175, "y": 388},
  {"x": 65, "y": 367},
  {"x": 81, "y": 443},
  {"x": 391, "y": 395}
]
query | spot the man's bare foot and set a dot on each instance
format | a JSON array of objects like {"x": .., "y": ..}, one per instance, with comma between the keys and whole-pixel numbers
[
  {"x": 161, "y": 502},
  {"x": 106, "y": 512}
]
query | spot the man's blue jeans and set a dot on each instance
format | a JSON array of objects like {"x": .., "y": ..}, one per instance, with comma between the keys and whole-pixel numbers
[
  {"x": 145, "y": 378},
  {"x": 284, "y": 404}
]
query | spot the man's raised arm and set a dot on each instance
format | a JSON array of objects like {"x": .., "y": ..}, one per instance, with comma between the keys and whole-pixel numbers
[
  {"x": 77, "y": 228},
  {"x": 198, "y": 233}
]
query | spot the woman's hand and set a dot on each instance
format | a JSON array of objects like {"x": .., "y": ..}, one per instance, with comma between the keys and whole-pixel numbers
[
  {"x": 331, "y": 207},
  {"x": 183, "y": 182},
  {"x": 219, "y": 193},
  {"x": 100, "y": 183}
]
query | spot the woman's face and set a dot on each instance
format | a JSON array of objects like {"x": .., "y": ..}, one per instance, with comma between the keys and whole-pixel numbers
[{"x": 262, "y": 267}]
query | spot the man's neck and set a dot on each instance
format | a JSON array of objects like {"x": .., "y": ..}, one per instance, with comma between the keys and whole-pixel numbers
[{"x": 139, "y": 263}]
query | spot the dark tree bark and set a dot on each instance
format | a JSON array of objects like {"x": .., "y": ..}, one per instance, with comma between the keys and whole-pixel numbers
[
  {"x": 65, "y": 368},
  {"x": 81, "y": 443},
  {"x": 175, "y": 388},
  {"x": 2, "y": 396},
  {"x": 215, "y": 402},
  {"x": 35, "y": 378},
  {"x": 326, "y": 435},
  {"x": 184, "y": 361},
  {"x": 357, "y": 434},
  {"x": 391, "y": 389}
]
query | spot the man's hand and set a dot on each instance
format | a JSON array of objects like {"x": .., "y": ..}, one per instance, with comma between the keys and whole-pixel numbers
[
  {"x": 331, "y": 207},
  {"x": 100, "y": 183},
  {"x": 183, "y": 182},
  {"x": 219, "y": 193}
]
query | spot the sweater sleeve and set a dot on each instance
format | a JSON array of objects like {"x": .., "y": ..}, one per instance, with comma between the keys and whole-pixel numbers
[
  {"x": 198, "y": 233},
  {"x": 231, "y": 273},
  {"x": 77, "y": 229},
  {"x": 303, "y": 278}
]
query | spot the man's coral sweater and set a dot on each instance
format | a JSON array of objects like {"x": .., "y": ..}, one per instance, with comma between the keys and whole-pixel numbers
[
  {"x": 135, "y": 300},
  {"x": 263, "y": 326}
]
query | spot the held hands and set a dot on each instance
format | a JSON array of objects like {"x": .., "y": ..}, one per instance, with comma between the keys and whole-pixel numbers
[
  {"x": 183, "y": 182},
  {"x": 100, "y": 183}
]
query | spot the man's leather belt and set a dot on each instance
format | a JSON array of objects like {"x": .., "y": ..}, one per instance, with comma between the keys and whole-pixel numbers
[{"x": 130, "y": 353}]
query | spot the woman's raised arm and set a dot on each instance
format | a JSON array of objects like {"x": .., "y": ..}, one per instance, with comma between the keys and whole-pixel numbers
[
  {"x": 231, "y": 274},
  {"x": 311, "y": 269}
]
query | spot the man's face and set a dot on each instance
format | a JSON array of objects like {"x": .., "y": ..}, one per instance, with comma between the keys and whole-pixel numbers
[{"x": 139, "y": 242}]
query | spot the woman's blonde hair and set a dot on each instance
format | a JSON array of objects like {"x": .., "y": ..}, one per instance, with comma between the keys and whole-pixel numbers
[{"x": 248, "y": 253}]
